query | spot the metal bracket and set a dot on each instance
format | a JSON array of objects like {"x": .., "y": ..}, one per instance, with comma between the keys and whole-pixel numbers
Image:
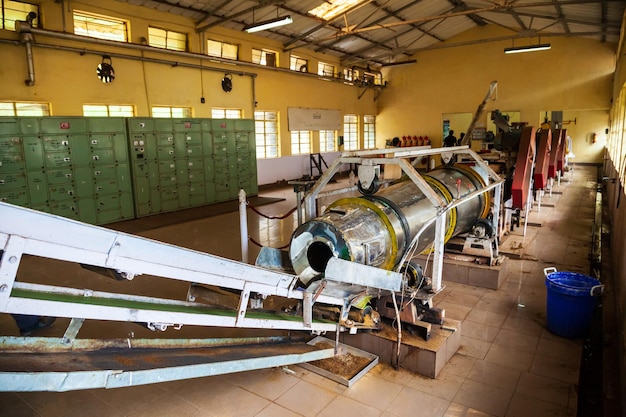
[
  {"x": 162, "y": 326},
  {"x": 243, "y": 305},
  {"x": 72, "y": 331}
]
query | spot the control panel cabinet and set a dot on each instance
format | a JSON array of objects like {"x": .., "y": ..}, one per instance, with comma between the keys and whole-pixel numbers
[
  {"x": 105, "y": 169},
  {"x": 76, "y": 167}
]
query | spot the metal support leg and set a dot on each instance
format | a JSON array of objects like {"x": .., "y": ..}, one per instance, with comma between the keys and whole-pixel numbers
[
  {"x": 243, "y": 225},
  {"x": 440, "y": 229},
  {"x": 72, "y": 330}
]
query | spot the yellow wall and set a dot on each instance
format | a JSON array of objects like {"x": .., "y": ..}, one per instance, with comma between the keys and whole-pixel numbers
[
  {"x": 575, "y": 76},
  {"x": 67, "y": 79}
]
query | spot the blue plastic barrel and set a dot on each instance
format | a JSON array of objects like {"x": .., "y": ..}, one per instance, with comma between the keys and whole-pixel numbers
[{"x": 572, "y": 298}]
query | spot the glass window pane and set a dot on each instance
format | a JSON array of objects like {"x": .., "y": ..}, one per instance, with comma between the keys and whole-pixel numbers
[
  {"x": 161, "y": 112},
  {"x": 92, "y": 110},
  {"x": 230, "y": 51},
  {"x": 32, "y": 109},
  {"x": 298, "y": 64},
  {"x": 214, "y": 48},
  {"x": 157, "y": 37},
  {"x": 121, "y": 111},
  {"x": 97, "y": 26},
  {"x": 266, "y": 134},
  {"x": 7, "y": 109},
  {"x": 14, "y": 10}
]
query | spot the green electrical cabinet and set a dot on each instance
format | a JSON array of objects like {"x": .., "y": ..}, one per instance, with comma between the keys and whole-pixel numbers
[
  {"x": 75, "y": 167},
  {"x": 142, "y": 139},
  {"x": 101, "y": 170},
  {"x": 179, "y": 163}
]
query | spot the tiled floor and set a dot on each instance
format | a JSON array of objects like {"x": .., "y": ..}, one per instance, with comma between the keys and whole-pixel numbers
[{"x": 508, "y": 364}]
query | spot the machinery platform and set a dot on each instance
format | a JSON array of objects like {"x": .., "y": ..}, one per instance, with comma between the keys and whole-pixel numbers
[
  {"x": 425, "y": 357},
  {"x": 464, "y": 269}
]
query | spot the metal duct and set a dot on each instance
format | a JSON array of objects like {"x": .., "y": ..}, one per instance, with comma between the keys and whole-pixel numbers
[
  {"x": 26, "y": 37},
  {"x": 376, "y": 230}
]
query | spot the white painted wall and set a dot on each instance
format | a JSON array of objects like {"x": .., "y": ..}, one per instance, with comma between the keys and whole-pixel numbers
[{"x": 288, "y": 168}]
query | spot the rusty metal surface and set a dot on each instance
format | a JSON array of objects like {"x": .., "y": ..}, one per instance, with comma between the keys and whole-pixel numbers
[{"x": 133, "y": 359}]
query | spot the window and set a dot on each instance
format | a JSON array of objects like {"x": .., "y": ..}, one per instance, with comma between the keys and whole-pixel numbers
[
  {"x": 298, "y": 64},
  {"x": 327, "y": 140},
  {"x": 226, "y": 113},
  {"x": 168, "y": 39},
  {"x": 369, "y": 132},
  {"x": 24, "y": 109},
  {"x": 98, "y": 26},
  {"x": 106, "y": 110},
  {"x": 222, "y": 49},
  {"x": 265, "y": 57},
  {"x": 365, "y": 77},
  {"x": 332, "y": 8},
  {"x": 325, "y": 69},
  {"x": 16, "y": 10},
  {"x": 164, "y": 111},
  {"x": 300, "y": 142},
  {"x": 350, "y": 132},
  {"x": 266, "y": 134}
]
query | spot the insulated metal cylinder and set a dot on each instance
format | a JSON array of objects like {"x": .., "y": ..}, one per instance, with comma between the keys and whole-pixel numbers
[{"x": 376, "y": 230}]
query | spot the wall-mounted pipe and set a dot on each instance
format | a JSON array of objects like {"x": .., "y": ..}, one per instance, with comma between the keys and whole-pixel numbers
[
  {"x": 129, "y": 45},
  {"x": 26, "y": 37}
]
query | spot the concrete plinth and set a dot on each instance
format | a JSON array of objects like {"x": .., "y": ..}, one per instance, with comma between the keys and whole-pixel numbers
[
  {"x": 426, "y": 358},
  {"x": 471, "y": 273}
]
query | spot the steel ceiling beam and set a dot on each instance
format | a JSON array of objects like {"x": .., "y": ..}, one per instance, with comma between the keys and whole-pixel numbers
[
  {"x": 219, "y": 7},
  {"x": 397, "y": 11},
  {"x": 493, "y": 8},
  {"x": 317, "y": 43}
]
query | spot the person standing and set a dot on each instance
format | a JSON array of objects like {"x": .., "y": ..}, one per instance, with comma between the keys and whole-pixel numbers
[{"x": 449, "y": 140}]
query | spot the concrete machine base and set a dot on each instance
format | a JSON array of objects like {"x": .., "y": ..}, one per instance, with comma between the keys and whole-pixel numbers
[
  {"x": 426, "y": 358},
  {"x": 464, "y": 270}
]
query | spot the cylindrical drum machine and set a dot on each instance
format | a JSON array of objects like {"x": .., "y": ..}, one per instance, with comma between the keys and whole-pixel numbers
[{"x": 377, "y": 229}]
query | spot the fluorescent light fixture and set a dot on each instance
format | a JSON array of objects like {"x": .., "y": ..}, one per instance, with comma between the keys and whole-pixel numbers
[
  {"x": 268, "y": 24},
  {"x": 529, "y": 48}
]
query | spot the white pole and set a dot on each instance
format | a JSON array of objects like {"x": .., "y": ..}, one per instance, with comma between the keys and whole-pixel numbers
[{"x": 243, "y": 225}]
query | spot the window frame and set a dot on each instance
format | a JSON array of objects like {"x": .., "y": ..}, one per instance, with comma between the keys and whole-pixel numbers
[
  {"x": 226, "y": 113},
  {"x": 125, "y": 24},
  {"x": 296, "y": 63},
  {"x": 222, "y": 44},
  {"x": 324, "y": 67},
  {"x": 369, "y": 132},
  {"x": 167, "y": 38},
  {"x": 19, "y": 14},
  {"x": 185, "y": 112},
  {"x": 261, "y": 134},
  {"x": 111, "y": 110},
  {"x": 19, "y": 108},
  {"x": 262, "y": 57},
  {"x": 300, "y": 139},
  {"x": 350, "y": 132},
  {"x": 324, "y": 140}
]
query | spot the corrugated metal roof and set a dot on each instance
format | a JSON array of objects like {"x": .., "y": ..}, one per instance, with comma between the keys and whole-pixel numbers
[{"x": 383, "y": 32}]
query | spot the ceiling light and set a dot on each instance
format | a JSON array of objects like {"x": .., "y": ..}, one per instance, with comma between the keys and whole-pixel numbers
[
  {"x": 529, "y": 48},
  {"x": 268, "y": 24}
]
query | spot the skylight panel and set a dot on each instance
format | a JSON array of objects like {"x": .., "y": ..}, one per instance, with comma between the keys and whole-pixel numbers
[{"x": 332, "y": 8}]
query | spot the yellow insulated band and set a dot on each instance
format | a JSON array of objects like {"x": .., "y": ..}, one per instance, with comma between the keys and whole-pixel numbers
[
  {"x": 446, "y": 194},
  {"x": 487, "y": 196}
]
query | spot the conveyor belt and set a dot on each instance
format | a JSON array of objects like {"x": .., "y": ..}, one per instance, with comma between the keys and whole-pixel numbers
[{"x": 71, "y": 367}]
